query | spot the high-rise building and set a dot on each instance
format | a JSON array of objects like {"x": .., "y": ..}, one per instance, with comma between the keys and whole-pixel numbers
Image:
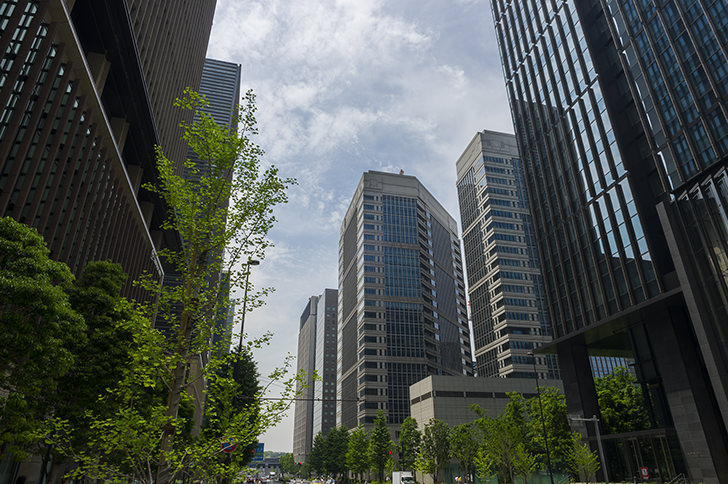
[
  {"x": 305, "y": 363},
  {"x": 86, "y": 92},
  {"x": 315, "y": 410},
  {"x": 402, "y": 313},
  {"x": 220, "y": 84},
  {"x": 505, "y": 286},
  {"x": 620, "y": 109}
]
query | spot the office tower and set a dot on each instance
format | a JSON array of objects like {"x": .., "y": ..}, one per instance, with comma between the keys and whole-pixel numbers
[
  {"x": 505, "y": 286},
  {"x": 324, "y": 390},
  {"x": 620, "y": 111},
  {"x": 305, "y": 363},
  {"x": 85, "y": 93},
  {"x": 220, "y": 84},
  {"x": 316, "y": 405},
  {"x": 402, "y": 313}
]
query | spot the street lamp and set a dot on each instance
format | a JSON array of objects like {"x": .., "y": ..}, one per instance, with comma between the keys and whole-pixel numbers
[
  {"x": 543, "y": 422},
  {"x": 599, "y": 441},
  {"x": 251, "y": 262}
]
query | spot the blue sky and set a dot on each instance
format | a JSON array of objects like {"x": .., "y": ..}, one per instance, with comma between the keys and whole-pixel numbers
[{"x": 346, "y": 86}]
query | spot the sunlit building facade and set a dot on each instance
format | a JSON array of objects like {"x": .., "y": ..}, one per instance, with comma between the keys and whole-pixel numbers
[
  {"x": 505, "y": 286},
  {"x": 402, "y": 313},
  {"x": 620, "y": 111}
]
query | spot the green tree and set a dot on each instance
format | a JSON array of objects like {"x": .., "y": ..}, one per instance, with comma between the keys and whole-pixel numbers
[
  {"x": 225, "y": 201},
  {"x": 317, "y": 457},
  {"x": 557, "y": 428},
  {"x": 483, "y": 462},
  {"x": 337, "y": 445},
  {"x": 464, "y": 444},
  {"x": 289, "y": 466},
  {"x": 621, "y": 402},
  {"x": 426, "y": 464},
  {"x": 380, "y": 445},
  {"x": 96, "y": 295},
  {"x": 500, "y": 446},
  {"x": 357, "y": 459},
  {"x": 222, "y": 210},
  {"x": 435, "y": 445},
  {"x": 234, "y": 390},
  {"x": 583, "y": 463},
  {"x": 38, "y": 326},
  {"x": 409, "y": 444},
  {"x": 516, "y": 414},
  {"x": 525, "y": 462}
]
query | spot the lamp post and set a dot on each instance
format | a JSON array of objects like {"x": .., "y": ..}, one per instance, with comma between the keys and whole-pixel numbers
[
  {"x": 251, "y": 262},
  {"x": 595, "y": 419},
  {"x": 543, "y": 422}
]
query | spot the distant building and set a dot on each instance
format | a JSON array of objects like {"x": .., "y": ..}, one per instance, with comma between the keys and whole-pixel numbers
[
  {"x": 505, "y": 286},
  {"x": 315, "y": 408},
  {"x": 402, "y": 313}
]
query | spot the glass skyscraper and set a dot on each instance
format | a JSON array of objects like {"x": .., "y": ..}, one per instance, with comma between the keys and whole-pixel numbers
[
  {"x": 620, "y": 111},
  {"x": 505, "y": 286},
  {"x": 402, "y": 313}
]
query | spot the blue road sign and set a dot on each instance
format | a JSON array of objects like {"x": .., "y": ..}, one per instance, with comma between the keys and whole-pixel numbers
[{"x": 258, "y": 453}]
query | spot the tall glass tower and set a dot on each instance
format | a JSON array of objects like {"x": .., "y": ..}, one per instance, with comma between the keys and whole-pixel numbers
[
  {"x": 402, "y": 313},
  {"x": 505, "y": 286},
  {"x": 620, "y": 112}
]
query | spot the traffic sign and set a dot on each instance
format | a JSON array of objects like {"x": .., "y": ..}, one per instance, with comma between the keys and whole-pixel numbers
[
  {"x": 258, "y": 452},
  {"x": 644, "y": 472},
  {"x": 229, "y": 446}
]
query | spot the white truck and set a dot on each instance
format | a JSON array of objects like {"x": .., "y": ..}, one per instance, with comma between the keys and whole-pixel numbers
[{"x": 402, "y": 477}]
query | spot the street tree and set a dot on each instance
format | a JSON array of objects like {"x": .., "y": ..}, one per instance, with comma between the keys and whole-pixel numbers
[
  {"x": 380, "y": 446},
  {"x": 502, "y": 439},
  {"x": 435, "y": 445},
  {"x": 99, "y": 356},
  {"x": 464, "y": 444},
  {"x": 221, "y": 208},
  {"x": 483, "y": 462},
  {"x": 426, "y": 465},
  {"x": 337, "y": 445},
  {"x": 525, "y": 462},
  {"x": 357, "y": 459},
  {"x": 558, "y": 431},
  {"x": 317, "y": 457},
  {"x": 516, "y": 414},
  {"x": 38, "y": 326},
  {"x": 583, "y": 462},
  {"x": 232, "y": 391},
  {"x": 289, "y": 466},
  {"x": 621, "y": 402},
  {"x": 409, "y": 444}
]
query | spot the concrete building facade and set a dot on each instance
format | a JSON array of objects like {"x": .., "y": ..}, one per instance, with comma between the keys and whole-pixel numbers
[
  {"x": 402, "y": 313},
  {"x": 450, "y": 398}
]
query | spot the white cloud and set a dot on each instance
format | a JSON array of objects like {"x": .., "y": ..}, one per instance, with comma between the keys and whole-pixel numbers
[{"x": 345, "y": 86}]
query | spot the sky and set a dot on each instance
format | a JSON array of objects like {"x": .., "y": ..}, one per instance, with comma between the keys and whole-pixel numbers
[{"x": 343, "y": 87}]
